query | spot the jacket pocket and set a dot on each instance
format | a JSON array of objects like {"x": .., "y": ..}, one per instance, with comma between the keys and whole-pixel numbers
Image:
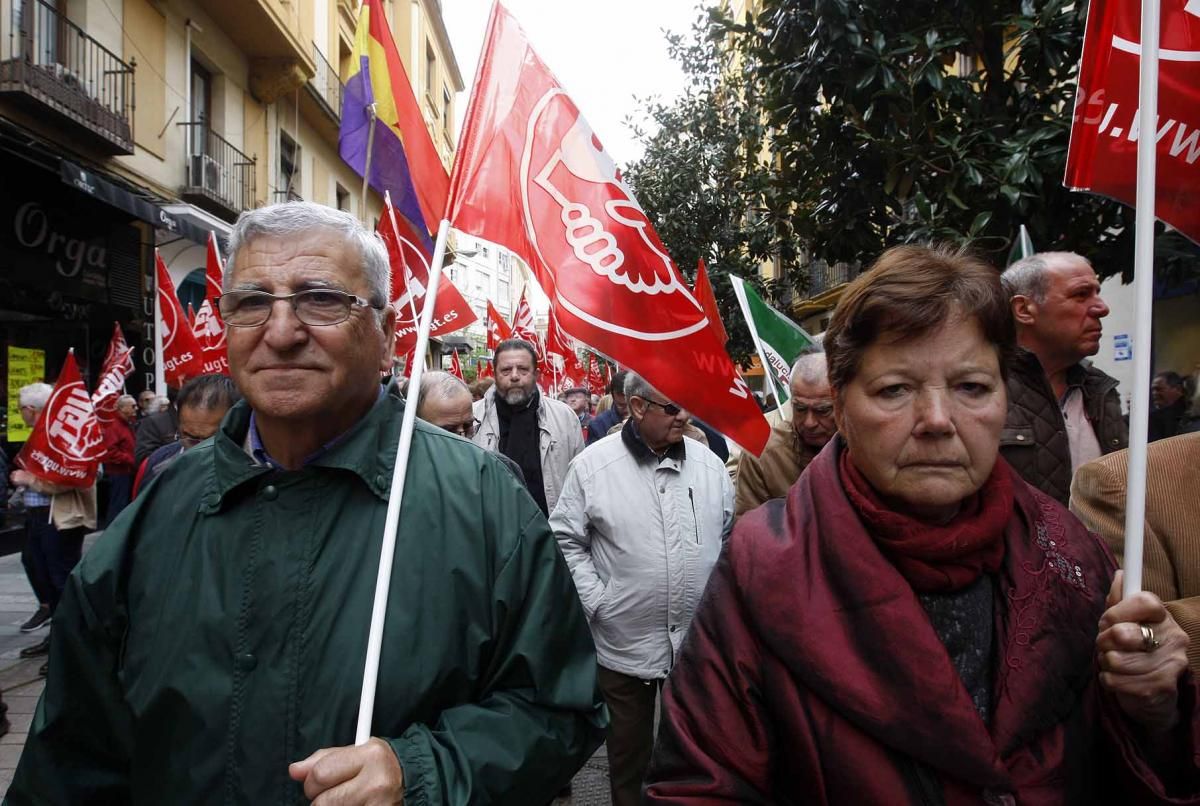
[{"x": 1017, "y": 435}]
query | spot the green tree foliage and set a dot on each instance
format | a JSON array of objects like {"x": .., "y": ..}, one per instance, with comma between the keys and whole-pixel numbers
[
  {"x": 883, "y": 123},
  {"x": 899, "y": 122}
]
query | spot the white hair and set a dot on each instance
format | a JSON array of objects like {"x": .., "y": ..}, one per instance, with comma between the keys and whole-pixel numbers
[
  {"x": 35, "y": 395},
  {"x": 637, "y": 386},
  {"x": 811, "y": 368},
  {"x": 290, "y": 219},
  {"x": 127, "y": 399},
  {"x": 438, "y": 383},
  {"x": 1027, "y": 277}
]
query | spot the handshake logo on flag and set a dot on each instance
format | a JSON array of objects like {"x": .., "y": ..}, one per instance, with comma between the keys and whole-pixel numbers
[{"x": 570, "y": 185}]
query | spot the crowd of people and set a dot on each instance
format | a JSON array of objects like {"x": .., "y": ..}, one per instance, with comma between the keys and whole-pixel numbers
[{"x": 911, "y": 596}]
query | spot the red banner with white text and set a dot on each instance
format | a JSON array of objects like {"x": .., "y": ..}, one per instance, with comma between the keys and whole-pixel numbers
[
  {"x": 1102, "y": 156},
  {"x": 67, "y": 443}
]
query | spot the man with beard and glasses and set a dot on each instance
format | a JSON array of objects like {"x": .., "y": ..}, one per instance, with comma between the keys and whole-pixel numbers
[{"x": 540, "y": 434}]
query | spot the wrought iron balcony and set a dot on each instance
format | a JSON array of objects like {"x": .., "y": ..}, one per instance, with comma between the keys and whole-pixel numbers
[
  {"x": 823, "y": 276},
  {"x": 220, "y": 178},
  {"x": 326, "y": 85},
  {"x": 49, "y": 62}
]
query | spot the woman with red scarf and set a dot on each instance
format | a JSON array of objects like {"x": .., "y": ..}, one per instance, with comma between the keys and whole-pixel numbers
[{"x": 914, "y": 624}]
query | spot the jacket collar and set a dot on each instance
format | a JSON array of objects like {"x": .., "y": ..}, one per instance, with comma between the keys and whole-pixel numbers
[
  {"x": 641, "y": 451},
  {"x": 368, "y": 450}
]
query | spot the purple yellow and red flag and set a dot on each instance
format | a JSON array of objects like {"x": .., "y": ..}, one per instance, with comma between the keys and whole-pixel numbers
[{"x": 401, "y": 157}]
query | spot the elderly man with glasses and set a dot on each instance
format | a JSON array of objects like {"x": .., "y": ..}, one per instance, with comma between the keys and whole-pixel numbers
[
  {"x": 641, "y": 520},
  {"x": 210, "y": 647},
  {"x": 795, "y": 441}
]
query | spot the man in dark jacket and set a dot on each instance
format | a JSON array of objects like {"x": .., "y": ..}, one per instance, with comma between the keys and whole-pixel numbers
[
  {"x": 210, "y": 648},
  {"x": 1062, "y": 411},
  {"x": 603, "y": 422}
]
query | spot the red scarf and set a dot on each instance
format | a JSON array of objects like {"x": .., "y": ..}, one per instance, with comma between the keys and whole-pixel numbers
[{"x": 936, "y": 559}]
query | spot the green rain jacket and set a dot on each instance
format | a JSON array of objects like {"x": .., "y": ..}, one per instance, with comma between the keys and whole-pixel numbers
[{"x": 217, "y": 632}]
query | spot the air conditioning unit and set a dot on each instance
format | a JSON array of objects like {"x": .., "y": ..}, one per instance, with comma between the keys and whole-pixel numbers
[{"x": 205, "y": 172}]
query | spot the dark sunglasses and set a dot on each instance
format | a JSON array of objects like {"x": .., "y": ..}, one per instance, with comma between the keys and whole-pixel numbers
[{"x": 669, "y": 409}]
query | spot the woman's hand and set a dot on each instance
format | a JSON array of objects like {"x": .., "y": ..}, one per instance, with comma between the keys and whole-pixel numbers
[{"x": 1142, "y": 653}]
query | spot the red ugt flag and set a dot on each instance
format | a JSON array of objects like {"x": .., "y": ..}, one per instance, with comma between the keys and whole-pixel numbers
[
  {"x": 66, "y": 444},
  {"x": 532, "y": 175},
  {"x": 455, "y": 366},
  {"x": 182, "y": 356},
  {"x": 208, "y": 328},
  {"x": 704, "y": 292},
  {"x": 497, "y": 329},
  {"x": 1102, "y": 156},
  {"x": 410, "y": 277},
  {"x": 523, "y": 326},
  {"x": 118, "y": 364}
]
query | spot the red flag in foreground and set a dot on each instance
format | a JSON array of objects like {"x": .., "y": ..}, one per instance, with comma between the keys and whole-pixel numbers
[
  {"x": 497, "y": 329},
  {"x": 208, "y": 328},
  {"x": 117, "y": 366},
  {"x": 1102, "y": 156},
  {"x": 66, "y": 443},
  {"x": 410, "y": 276},
  {"x": 181, "y": 353},
  {"x": 531, "y": 175},
  {"x": 455, "y": 366},
  {"x": 523, "y": 326},
  {"x": 704, "y": 293}
]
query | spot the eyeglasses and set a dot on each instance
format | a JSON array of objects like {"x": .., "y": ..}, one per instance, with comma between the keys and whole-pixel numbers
[
  {"x": 317, "y": 306},
  {"x": 465, "y": 430},
  {"x": 819, "y": 409},
  {"x": 669, "y": 409}
]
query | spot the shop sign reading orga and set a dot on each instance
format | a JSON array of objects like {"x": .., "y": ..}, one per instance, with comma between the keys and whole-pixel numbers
[{"x": 66, "y": 444}]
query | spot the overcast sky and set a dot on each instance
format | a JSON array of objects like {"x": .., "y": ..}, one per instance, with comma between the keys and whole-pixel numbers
[{"x": 603, "y": 52}]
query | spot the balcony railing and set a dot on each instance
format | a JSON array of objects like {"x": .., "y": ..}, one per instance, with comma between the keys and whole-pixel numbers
[
  {"x": 219, "y": 176},
  {"x": 50, "y": 61},
  {"x": 327, "y": 85},
  {"x": 823, "y": 276}
]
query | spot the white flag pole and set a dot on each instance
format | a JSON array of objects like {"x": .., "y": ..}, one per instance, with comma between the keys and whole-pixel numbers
[
  {"x": 160, "y": 372},
  {"x": 366, "y": 705},
  {"x": 371, "y": 115},
  {"x": 739, "y": 291},
  {"x": 1143, "y": 269}
]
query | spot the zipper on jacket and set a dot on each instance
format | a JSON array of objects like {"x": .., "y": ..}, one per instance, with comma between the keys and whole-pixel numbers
[{"x": 695, "y": 522}]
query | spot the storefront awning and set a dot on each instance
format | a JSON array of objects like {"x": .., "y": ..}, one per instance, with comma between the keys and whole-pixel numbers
[{"x": 91, "y": 183}]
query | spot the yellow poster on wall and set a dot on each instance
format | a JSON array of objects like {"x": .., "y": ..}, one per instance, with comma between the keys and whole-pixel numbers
[{"x": 25, "y": 366}]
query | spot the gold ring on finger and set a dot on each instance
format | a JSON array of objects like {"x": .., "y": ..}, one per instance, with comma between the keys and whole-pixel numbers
[{"x": 1149, "y": 642}]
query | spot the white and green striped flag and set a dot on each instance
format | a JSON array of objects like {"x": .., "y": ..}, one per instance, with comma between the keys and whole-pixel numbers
[{"x": 778, "y": 339}]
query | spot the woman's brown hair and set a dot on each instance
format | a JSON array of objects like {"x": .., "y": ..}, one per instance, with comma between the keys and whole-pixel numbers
[{"x": 909, "y": 292}]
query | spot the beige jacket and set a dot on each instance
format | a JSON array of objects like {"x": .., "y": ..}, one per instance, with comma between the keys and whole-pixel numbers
[
  {"x": 560, "y": 438},
  {"x": 761, "y": 478},
  {"x": 1171, "y": 561}
]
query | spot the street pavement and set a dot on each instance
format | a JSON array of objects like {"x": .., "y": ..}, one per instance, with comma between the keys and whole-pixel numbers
[{"x": 22, "y": 687}]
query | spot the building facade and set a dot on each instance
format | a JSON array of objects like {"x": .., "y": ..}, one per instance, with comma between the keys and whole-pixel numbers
[{"x": 127, "y": 125}]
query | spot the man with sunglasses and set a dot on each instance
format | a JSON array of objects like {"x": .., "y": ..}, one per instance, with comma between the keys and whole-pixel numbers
[
  {"x": 210, "y": 647},
  {"x": 795, "y": 441},
  {"x": 641, "y": 520}
]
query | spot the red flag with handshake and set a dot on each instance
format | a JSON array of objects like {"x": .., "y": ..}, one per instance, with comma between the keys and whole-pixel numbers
[
  {"x": 410, "y": 276},
  {"x": 208, "y": 328},
  {"x": 1104, "y": 131},
  {"x": 181, "y": 353},
  {"x": 497, "y": 329},
  {"x": 118, "y": 364},
  {"x": 531, "y": 175},
  {"x": 66, "y": 443}
]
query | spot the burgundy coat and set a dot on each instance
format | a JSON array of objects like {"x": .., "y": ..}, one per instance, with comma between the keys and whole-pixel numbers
[{"x": 811, "y": 674}]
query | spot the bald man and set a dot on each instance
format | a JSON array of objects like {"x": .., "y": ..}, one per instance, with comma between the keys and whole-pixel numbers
[
  {"x": 792, "y": 444},
  {"x": 446, "y": 401}
]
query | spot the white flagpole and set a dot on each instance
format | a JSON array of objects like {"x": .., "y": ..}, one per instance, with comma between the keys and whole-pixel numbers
[
  {"x": 366, "y": 705},
  {"x": 160, "y": 372},
  {"x": 740, "y": 292},
  {"x": 1143, "y": 269}
]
